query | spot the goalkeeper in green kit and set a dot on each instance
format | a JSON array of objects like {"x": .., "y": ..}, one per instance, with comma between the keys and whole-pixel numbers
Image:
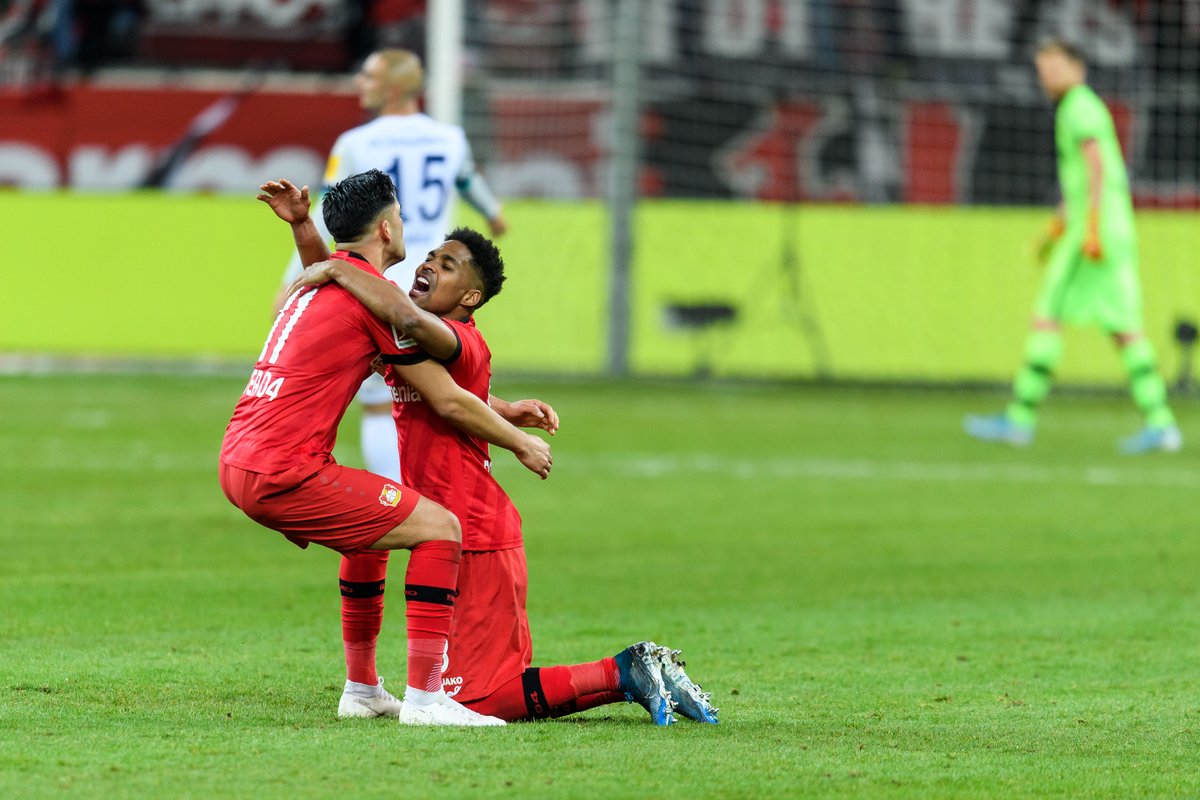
[{"x": 1091, "y": 265}]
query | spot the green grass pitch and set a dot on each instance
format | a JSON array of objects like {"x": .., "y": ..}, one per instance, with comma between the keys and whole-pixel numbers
[{"x": 881, "y": 607}]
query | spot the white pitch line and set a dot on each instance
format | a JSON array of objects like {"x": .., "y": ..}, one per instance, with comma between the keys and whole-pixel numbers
[
  {"x": 60, "y": 456},
  {"x": 652, "y": 466}
]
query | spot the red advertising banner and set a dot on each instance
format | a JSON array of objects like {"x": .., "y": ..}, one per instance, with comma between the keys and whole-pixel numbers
[{"x": 98, "y": 138}]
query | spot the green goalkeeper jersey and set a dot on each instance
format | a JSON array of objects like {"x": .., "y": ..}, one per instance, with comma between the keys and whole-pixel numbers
[{"x": 1082, "y": 115}]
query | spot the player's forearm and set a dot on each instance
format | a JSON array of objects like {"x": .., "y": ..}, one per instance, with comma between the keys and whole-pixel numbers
[
  {"x": 472, "y": 416},
  {"x": 310, "y": 245},
  {"x": 1095, "y": 169},
  {"x": 501, "y": 407},
  {"x": 382, "y": 298},
  {"x": 392, "y": 304}
]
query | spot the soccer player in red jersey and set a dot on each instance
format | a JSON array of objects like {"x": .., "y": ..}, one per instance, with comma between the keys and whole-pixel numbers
[
  {"x": 490, "y": 654},
  {"x": 276, "y": 460}
]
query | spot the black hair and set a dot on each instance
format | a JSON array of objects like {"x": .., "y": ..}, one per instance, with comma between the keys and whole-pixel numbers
[
  {"x": 1056, "y": 45},
  {"x": 485, "y": 258},
  {"x": 353, "y": 204}
]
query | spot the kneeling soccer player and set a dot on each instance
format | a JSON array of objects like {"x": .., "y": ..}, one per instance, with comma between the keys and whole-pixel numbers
[{"x": 488, "y": 666}]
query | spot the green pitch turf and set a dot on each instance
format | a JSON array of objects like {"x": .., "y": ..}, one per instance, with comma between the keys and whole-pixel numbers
[{"x": 881, "y": 607}]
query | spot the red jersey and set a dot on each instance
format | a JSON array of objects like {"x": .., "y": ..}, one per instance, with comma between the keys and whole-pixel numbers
[
  {"x": 316, "y": 356},
  {"x": 445, "y": 464}
]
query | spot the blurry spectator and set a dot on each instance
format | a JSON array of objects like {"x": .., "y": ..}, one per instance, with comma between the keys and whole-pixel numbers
[
  {"x": 528, "y": 35},
  {"x": 105, "y": 30},
  {"x": 17, "y": 19},
  {"x": 1176, "y": 31},
  {"x": 25, "y": 27},
  {"x": 395, "y": 24}
]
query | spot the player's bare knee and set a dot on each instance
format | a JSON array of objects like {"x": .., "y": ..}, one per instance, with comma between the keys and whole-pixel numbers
[{"x": 446, "y": 528}]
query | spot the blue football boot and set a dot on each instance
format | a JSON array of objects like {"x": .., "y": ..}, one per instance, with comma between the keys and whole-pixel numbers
[
  {"x": 689, "y": 699},
  {"x": 1149, "y": 440},
  {"x": 999, "y": 428},
  {"x": 640, "y": 678}
]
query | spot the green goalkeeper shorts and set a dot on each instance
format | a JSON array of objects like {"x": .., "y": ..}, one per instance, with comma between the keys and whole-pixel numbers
[{"x": 1080, "y": 291}]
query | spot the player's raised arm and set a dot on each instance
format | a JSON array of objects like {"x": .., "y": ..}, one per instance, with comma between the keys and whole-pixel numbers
[
  {"x": 291, "y": 205},
  {"x": 471, "y": 415}
]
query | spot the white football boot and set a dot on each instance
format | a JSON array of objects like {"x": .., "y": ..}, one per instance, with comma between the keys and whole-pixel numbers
[
  {"x": 445, "y": 711},
  {"x": 381, "y": 704}
]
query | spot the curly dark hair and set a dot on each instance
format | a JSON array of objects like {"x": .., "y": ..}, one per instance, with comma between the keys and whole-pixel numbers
[
  {"x": 485, "y": 258},
  {"x": 353, "y": 204}
]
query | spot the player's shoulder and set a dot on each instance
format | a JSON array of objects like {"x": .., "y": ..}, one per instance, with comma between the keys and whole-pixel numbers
[
  {"x": 357, "y": 132},
  {"x": 470, "y": 337},
  {"x": 421, "y": 118},
  {"x": 1082, "y": 99},
  {"x": 431, "y": 127},
  {"x": 464, "y": 327}
]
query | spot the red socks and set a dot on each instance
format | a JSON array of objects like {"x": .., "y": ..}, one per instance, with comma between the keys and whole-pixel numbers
[
  {"x": 553, "y": 691},
  {"x": 429, "y": 587},
  {"x": 595, "y": 676},
  {"x": 361, "y": 578}
]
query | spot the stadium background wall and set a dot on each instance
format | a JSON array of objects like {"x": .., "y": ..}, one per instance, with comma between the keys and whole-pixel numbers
[{"x": 850, "y": 292}]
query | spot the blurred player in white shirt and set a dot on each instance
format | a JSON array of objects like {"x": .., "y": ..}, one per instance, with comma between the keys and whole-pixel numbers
[{"x": 427, "y": 161}]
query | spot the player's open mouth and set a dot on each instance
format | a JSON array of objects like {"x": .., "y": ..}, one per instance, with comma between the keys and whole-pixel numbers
[{"x": 420, "y": 285}]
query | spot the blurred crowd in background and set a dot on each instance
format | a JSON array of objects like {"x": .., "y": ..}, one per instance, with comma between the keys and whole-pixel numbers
[{"x": 843, "y": 36}]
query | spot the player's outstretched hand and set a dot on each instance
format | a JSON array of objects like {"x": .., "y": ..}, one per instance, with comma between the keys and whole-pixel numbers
[
  {"x": 313, "y": 275},
  {"x": 535, "y": 455},
  {"x": 289, "y": 203},
  {"x": 532, "y": 414}
]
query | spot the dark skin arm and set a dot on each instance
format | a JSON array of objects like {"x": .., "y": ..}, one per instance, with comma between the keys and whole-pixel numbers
[
  {"x": 526, "y": 413},
  {"x": 387, "y": 301},
  {"x": 392, "y": 304},
  {"x": 471, "y": 415}
]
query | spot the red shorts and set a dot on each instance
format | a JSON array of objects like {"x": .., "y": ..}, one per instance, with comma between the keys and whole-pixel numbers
[
  {"x": 345, "y": 509},
  {"x": 489, "y": 638}
]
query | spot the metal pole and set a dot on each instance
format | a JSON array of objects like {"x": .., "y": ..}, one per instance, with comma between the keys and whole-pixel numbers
[
  {"x": 443, "y": 57},
  {"x": 622, "y": 189}
]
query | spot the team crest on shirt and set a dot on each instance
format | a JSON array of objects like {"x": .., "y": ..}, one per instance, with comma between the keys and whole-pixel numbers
[{"x": 390, "y": 496}]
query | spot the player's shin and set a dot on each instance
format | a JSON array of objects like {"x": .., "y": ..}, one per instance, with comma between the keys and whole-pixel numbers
[
  {"x": 429, "y": 590},
  {"x": 1043, "y": 352},
  {"x": 361, "y": 579},
  {"x": 541, "y": 692},
  {"x": 1146, "y": 385}
]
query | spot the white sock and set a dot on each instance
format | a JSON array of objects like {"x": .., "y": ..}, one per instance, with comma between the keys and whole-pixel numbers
[
  {"x": 362, "y": 689},
  {"x": 420, "y": 697},
  {"x": 380, "y": 452}
]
